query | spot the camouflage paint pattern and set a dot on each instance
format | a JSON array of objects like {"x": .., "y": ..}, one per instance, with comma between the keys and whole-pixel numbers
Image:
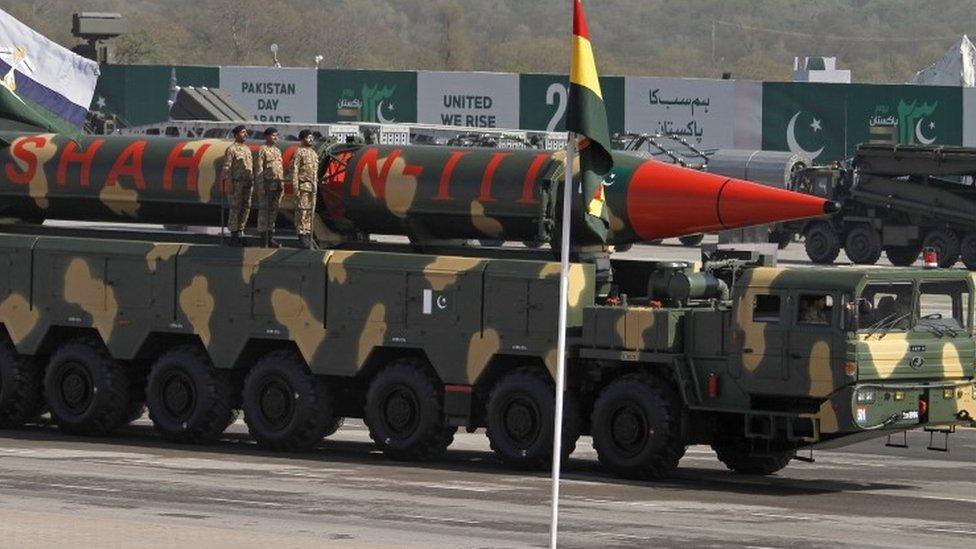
[
  {"x": 338, "y": 307},
  {"x": 786, "y": 368},
  {"x": 304, "y": 179},
  {"x": 269, "y": 172},
  {"x": 238, "y": 168},
  {"x": 422, "y": 192}
]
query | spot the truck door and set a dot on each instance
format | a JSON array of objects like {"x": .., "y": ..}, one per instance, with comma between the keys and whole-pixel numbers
[
  {"x": 812, "y": 341},
  {"x": 761, "y": 329}
]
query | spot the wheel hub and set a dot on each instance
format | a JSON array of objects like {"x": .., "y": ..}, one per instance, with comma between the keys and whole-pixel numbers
[
  {"x": 400, "y": 411},
  {"x": 76, "y": 388},
  {"x": 628, "y": 428},
  {"x": 521, "y": 421},
  {"x": 276, "y": 402},
  {"x": 178, "y": 395}
]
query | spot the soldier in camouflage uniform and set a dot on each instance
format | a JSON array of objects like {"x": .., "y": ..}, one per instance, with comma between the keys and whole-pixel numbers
[
  {"x": 304, "y": 172},
  {"x": 239, "y": 168},
  {"x": 269, "y": 172}
]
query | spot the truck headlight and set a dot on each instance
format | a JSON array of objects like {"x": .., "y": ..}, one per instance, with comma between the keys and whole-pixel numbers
[{"x": 865, "y": 396}]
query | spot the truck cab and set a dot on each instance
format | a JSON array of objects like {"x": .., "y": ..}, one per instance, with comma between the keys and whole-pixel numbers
[{"x": 857, "y": 351}]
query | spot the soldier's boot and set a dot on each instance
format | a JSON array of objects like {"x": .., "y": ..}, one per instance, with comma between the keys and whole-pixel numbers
[
  {"x": 235, "y": 239},
  {"x": 270, "y": 241}
]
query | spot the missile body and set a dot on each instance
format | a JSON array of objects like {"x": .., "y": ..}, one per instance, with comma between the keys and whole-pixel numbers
[{"x": 423, "y": 192}]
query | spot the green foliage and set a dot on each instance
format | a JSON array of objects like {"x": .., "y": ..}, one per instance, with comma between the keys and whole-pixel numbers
[{"x": 879, "y": 40}]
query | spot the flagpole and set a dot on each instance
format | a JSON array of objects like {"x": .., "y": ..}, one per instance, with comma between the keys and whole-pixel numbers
[{"x": 557, "y": 439}]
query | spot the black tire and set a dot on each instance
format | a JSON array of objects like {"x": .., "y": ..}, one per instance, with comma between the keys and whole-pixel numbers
[
  {"x": 968, "y": 251},
  {"x": 738, "y": 457},
  {"x": 520, "y": 419},
  {"x": 946, "y": 244},
  {"x": 405, "y": 412},
  {"x": 821, "y": 243},
  {"x": 637, "y": 427},
  {"x": 903, "y": 256},
  {"x": 781, "y": 239},
  {"x": 21, "y": 386},
  {"x": 189, "y": 400},
  {"x": 334, "y": 426},
  {"x": 286, "y": 407},
  {"x": 86, "y": 390},
  {"x": 691, "y": 240},
  {"x": 863, "y": 245}
]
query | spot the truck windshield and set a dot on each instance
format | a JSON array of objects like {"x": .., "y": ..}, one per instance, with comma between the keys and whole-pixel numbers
[
  {"x": 885, "y": 307},
  {"x": 944, "y": 307}
]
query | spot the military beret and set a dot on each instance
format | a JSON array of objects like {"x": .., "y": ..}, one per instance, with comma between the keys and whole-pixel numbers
[
  {"x": 270, "y": 131},
  {"x": 304, "y": 133},
  {"x": 238, "y": 128}
]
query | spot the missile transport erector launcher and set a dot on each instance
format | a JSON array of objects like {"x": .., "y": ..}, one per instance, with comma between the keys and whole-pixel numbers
[{"x": 755, "y": 360}]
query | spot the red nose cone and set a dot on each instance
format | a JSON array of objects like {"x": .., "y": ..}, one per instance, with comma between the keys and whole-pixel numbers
[{"x": 665, "y": 200}]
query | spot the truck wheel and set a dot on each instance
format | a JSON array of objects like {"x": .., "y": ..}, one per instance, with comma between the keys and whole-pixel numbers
[
  {"x": 968, "y": 251},
  {"x": 691, "y": 240},
  {"x": 863, "y": 245},
  {"x": 86, "y": 390},
  {"x": 286, "y": 407},
  {"x": 189, "y": 400},
  {"x": 738, "y": 457},
  {"x": 21, "y": 387},
  {"x": 637, "y": 427},
  {"x": 902, "y": 256},
  {"x": 946, "y": 244},
  {"x": 781, "y": 239},
  {"x": 405, "y": 412},
  {"x": 521, "y": 421},
  {"x": 334, "y": 426},
  {"x": 821, "y": 243}
]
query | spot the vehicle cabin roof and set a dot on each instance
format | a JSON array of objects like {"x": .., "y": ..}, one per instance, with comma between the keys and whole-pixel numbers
[{"x": 840, "y": 278}]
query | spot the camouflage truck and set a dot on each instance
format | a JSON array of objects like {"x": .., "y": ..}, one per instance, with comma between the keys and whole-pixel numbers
[{"x": 755, "y": 360}]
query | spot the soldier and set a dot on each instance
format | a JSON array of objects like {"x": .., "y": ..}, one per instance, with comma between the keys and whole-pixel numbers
[
  {"x": 814, "y": 309},
  {"x": 239, "y": 168},
  {"x": 269, "y": 172},
  {"x": 304, "y": 172}
]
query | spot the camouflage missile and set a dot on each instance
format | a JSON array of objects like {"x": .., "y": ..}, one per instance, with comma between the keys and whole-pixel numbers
[
  {"x": 419, "y": 191},
  {"x": 441, "y": 193}
]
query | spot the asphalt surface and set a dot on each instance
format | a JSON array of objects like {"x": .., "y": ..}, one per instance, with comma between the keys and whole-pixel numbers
[{"x": 134, "y": 490}]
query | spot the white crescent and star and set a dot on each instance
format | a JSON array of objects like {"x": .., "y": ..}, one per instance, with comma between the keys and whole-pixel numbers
[
  {"x": 379, "y": 114},
  {"x": 791, "y": 141},
  {"x": 921, "y": 136},
  {"x": 441, "y": 302}
]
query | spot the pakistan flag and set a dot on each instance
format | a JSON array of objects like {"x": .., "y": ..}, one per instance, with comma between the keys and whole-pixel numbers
[{"x": 806, "y": 119}]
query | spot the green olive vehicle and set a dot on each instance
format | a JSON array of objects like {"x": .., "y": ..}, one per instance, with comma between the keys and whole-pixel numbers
[{"x": 755, "y": 360}]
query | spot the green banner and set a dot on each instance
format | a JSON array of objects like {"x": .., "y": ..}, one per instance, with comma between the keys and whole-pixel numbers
[
  {"x": 806, "y": 119},
  {"x": 904, "y": 115},
  {"x": 828, "y": 121},
  {"x": 367, "y": 96},
  {"x": 543, "y": 101},
  {"x": 139, "y": 94}
]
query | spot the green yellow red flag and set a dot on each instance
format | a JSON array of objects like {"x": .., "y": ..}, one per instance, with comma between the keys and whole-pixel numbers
[{"x": 587, "y": 117}]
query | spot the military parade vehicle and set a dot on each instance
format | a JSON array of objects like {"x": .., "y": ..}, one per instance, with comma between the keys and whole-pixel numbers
[
  {"x": 897, "y": 199},
  {"x": 99, "y": 322},
  {"x": 755, "y": 360}
]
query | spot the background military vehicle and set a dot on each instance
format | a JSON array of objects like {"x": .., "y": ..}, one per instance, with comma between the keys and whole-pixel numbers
[
  {"x": 896, "y": 199},
  {"x": 755, "y": 360}
]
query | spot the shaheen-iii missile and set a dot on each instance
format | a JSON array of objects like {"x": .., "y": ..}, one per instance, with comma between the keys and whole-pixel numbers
[{"x": 424, "y": 192}]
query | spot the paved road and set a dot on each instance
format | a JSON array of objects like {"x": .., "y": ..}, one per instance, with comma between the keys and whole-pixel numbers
[{"x": 136, "y": 491}]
